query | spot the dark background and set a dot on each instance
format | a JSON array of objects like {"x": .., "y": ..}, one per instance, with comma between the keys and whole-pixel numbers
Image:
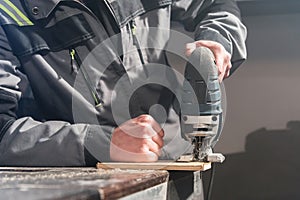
[{"x": 261, "y": 136}]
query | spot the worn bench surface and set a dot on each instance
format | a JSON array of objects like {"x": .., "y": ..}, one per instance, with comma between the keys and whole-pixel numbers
[{"x": 75, "y": 183}]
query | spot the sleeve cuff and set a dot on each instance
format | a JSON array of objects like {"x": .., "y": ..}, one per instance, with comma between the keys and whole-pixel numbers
[{"x": 97, "y": 144}]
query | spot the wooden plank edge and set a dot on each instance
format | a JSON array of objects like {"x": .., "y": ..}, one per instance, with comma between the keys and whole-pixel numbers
[{"x": 160, "y": 165}]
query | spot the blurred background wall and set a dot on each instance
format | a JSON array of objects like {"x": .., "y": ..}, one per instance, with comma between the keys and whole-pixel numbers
[{"x": 261, "y": 136}]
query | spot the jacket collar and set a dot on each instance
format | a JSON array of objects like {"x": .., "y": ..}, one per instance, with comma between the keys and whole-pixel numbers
[{"x": 39, "y": 9}]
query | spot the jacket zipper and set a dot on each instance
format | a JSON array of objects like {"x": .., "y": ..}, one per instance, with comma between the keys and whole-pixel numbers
[
  {"x": 76, "y": 64},
  {"x": 136, "y": 41},
  {"x": 96, "y": 18}
]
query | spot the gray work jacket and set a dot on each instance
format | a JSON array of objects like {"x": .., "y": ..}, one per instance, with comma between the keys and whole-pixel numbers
[{"x": 66, "y": 81}]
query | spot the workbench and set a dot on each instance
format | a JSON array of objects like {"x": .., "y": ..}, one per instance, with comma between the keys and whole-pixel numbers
[{"x": 92, "y": 183}]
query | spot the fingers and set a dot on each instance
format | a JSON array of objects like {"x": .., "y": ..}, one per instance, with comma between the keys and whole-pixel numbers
[
  {"x": 119, "y": 154},
  {"x": 158, "y": 140},
  {"x": 144, "y": 151},
  {"x": 227, "y": 73},
  {"x": 153, "y": 147},
  {"x": 151, "y": 124},
  {"x": 141, "y": 136},
  {"x": 223, "y": 64}
]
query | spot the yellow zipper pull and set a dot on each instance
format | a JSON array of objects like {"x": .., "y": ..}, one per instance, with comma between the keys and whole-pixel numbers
[
  {"x": 133, "y": 27},
  {"x": 136, "y": 41},
  {"x": 74, "y": 67}
]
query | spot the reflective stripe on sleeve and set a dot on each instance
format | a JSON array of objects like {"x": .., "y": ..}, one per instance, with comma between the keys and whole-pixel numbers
[{"x": 12, "y": 11}]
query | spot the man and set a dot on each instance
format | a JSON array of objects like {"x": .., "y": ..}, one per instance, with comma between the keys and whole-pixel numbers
[{"x": 87, "y": 81}]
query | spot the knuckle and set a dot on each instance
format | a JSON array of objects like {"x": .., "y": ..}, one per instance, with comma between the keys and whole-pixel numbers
[
  {"x": 145, "y": 118},
  {"x": 162, "y": 133},
  {"x": 146, "y": 142},
  {"x": 227, "y": 56},
  {"x": 144, "y": 128},
  {"x": 218, "y": 47},
  {"x": 155, "y": 149},
  {"x": 162, "y": 142}
]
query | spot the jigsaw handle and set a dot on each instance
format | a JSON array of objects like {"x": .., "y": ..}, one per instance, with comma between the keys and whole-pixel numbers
[{"x": 201, "y": 88}]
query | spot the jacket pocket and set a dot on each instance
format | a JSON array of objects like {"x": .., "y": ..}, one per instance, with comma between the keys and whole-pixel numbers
[{"x": 78, "y": 65}]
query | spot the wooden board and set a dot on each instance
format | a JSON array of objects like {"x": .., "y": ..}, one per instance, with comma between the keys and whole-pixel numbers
[{"x": 160, "y": 165}]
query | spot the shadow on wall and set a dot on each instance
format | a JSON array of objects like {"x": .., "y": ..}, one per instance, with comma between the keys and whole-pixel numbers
[{"x": 269, "y": 169}]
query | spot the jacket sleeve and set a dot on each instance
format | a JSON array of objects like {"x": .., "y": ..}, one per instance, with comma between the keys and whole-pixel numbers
[
  {"x": 28, "y": 142},
  {"x": 216, "y": 20}
]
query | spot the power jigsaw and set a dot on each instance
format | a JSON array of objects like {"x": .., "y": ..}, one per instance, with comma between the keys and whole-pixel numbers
[{"x": 201, "y": 109}]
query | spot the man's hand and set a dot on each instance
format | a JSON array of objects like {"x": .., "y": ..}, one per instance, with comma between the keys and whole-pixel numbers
[
  {"x": 137, "y": 140},
  {"x": 222, "y": 57}
]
